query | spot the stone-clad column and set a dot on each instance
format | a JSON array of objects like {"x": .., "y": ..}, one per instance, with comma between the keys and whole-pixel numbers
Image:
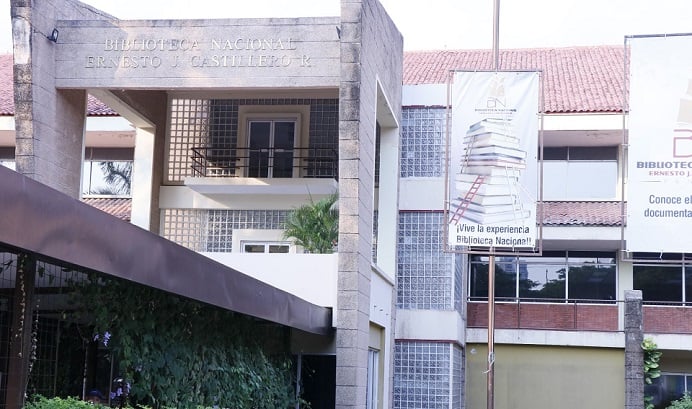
[
  {"x": 353, "y": 291},
  {"x": 634, "y": 355},
  {"x": 49, "y": 123},
  {"x": 371, "y": 54}
]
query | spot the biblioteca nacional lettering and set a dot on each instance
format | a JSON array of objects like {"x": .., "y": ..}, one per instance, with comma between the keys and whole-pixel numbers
[
  {"x": 196, "y": 61},
  {"x": 176, "y": 44},
  {"x": 250, "y": 52}
]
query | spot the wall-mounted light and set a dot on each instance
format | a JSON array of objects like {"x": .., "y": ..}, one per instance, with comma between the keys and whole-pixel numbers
[{"x": 53, "y": 36}]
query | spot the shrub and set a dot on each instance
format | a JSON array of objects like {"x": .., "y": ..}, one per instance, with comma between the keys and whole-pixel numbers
[
  {"x": 652, "y": 356},
  {"x": 176, "y": 352},
  {"x": 683, "y": 403},
  {"x": 315, "y": 226},
  {"x": 41, "y": 402}
]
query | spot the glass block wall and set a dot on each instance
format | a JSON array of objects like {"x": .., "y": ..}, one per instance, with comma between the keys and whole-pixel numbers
[
  {"x": 427, "y": 375},
  {"x": 186, "y": 227},
  {"x": 222, "y": 222},
  {"x": 425, "y": 274},
  {"x": 423, "y": 142},
  {"x": 212, "y": 230},
  {"x": 205, "y": 122},
  {"x": 458, "y": 369}
]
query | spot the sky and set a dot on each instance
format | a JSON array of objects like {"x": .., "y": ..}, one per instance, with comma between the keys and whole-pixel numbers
[{"x": 442, "y": 24}]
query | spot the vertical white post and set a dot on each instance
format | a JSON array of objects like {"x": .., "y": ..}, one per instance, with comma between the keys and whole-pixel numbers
[{"x": 142, "y": 178}]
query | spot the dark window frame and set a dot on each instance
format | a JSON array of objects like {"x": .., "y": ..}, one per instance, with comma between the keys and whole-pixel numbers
[
  {"x": 580, "y": 153},
  {"x": 650, "y": 277},
  {"x": 569, "y": 263}
]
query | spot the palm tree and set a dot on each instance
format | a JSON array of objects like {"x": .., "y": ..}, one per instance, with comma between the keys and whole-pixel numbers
[
  {"x": 118, "y": 177},
  {"x": 315, "y": 226}
]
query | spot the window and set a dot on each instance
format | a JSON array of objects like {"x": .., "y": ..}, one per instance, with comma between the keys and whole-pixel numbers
[
  {"x": 659, "y": 282},
  {"x": 251, "y": 231},
  {"x": 260, "y": 247},
  {"x": 271, "y": 145},
  {"x": 573, "y": 275},
  {"x": 373, "y": 377},
  {"x": 578, "y": 173},
  {"x": 110, "y": 178},
  {"x": 273, "y": 140},
  {"x": 667, "y": 388},
  {"x": 107, "y": 171}
]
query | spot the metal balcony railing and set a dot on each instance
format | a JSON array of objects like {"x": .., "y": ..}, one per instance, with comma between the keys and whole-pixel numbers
[{"x": 265, "y": 163}]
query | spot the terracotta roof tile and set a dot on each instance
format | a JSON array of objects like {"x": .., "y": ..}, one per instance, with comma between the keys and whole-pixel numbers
[
  {"x": 115, "y": 206},
  {"x": 97, "y": 108},
  {"x": 582, "y": 214},
  {"x": 94, "y": 106},
  {"x": 575, "y": 79},
  {"x": 556, "y": 213}
]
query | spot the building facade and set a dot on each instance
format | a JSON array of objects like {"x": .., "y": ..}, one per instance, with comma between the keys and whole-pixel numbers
[
  {"x": 237, "y": 122},
  {"x": 561, "y": 317}
]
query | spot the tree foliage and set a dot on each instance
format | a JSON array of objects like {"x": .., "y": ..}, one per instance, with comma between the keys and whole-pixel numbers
[
  {"x": 118, "y": 177},
  {"x": 652, "y": 356},
  {"x": 314, "y": 226},
  {"x": 180, "y": 353},
  {"x": 683, "y": 403}
]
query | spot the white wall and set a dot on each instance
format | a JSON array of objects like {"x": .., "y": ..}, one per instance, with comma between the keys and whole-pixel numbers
[{"x": 311, "y": 277}]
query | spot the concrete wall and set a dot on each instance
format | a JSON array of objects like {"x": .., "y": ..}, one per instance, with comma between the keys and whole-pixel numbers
[
  {"x": 371, "y": 53},
  {"x": 151, "y": 109},
  {"x": 290, "y": 272},
  {"x": 529, "y": 377},
  {"x": 199, "y": 53}
]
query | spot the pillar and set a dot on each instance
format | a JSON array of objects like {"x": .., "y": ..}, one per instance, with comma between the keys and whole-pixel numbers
[{"x": 634, "y": 354}]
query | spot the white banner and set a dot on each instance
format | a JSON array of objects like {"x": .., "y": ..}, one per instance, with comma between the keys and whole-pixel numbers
[
  {"x": 659, "y": 184},
  {"x": 493, "y": 175}
]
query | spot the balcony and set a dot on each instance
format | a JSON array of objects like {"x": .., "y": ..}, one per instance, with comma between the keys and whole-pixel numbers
[
  {"x": 578, "y": 315},
  {"x": 267, "y": 171},
  {"x": 667, "y": 317},
  {"x": 265, "y": 163},
  {"x": 571, "y": 315}
]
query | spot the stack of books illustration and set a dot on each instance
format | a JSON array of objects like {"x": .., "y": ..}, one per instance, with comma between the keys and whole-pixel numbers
[{"x": 488, "y": 182}]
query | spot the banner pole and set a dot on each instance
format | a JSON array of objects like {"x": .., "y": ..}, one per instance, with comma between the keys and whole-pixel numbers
[
  {"x": 496, "y": 35},
  {"x": 491, "y": 260},
  {"x": 491, "y": 331}
]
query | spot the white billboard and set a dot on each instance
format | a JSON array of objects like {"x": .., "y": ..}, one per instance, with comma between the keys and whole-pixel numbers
[
  {"x": 659, "y": 175},
  {"x": 493, "y": 174}
]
